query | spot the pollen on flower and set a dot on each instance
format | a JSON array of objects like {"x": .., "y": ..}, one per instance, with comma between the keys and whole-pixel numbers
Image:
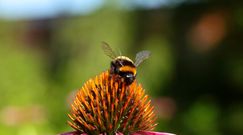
[{"x": 106, "y": 105}]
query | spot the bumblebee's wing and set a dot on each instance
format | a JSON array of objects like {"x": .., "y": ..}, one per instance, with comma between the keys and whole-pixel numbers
[
  {"x": 108, "y": 50},
  {"x": 141, "y": 56}
]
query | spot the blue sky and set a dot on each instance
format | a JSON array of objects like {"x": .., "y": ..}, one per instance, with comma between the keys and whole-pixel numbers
[{"x": 45, "y": 8}]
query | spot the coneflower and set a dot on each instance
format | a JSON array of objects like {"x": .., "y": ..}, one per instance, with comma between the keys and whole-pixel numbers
[
  {"x": 113, "y": 103},
  {"x": 106, "y": 105}
]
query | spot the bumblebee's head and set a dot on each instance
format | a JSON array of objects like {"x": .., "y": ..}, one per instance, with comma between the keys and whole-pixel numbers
[{"x": 125, "y": 68}]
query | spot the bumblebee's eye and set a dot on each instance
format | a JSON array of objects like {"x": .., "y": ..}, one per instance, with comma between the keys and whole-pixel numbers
[
  {"x": 129, "y": 78},
  {"x": 129, "y": 75},
  {"x": 126, "y": 74}
]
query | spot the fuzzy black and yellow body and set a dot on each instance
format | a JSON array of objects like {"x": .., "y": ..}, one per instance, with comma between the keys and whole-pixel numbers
[{"x": 124, "y": 67}]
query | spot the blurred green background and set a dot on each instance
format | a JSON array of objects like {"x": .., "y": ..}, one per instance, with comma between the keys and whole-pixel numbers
[{"x": 194, "y": 75}]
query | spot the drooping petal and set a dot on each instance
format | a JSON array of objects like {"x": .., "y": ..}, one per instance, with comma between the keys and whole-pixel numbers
[
  {"x": 72, "y": 133},
  {"x": 150, "y": 133},
  {"x": 77, "y": 133}
]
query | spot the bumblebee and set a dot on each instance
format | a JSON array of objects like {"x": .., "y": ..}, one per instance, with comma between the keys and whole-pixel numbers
[{"x": 122, "y": 66}]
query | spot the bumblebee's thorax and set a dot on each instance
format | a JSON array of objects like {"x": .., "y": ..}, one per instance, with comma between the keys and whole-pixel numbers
[{"x": 125, "y": 68}]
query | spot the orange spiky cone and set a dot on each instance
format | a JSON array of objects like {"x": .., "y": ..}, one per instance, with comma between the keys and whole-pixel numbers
[{"x": 106, "y": 105}]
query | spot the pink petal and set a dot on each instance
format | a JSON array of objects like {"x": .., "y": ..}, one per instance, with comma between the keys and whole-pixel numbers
[
  {"x": 72, "y": 133},
  {"x": 135, "y": 133},
  {"x": 76, "y": 133},
  {"x": 150, "y": 133}
]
